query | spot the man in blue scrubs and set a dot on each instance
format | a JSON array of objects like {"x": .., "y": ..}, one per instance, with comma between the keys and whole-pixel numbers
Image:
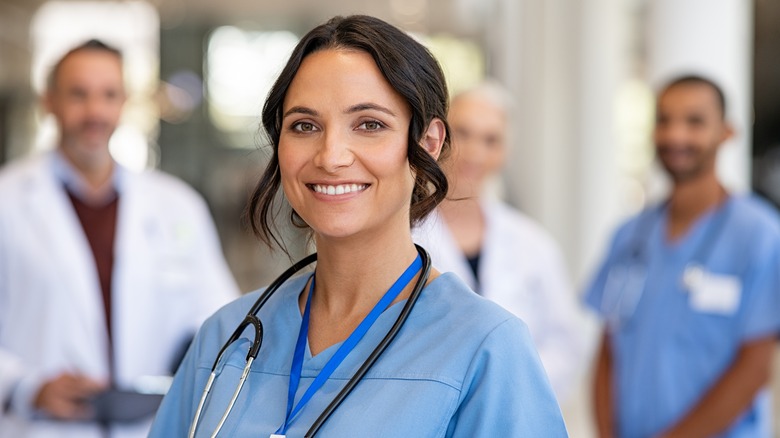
[{"x": 690, "y": 292}]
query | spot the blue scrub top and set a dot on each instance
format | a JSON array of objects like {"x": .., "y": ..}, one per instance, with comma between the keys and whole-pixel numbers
[
  {"x": 671, "y": 341},
  {"x": 461, "y": 366}
]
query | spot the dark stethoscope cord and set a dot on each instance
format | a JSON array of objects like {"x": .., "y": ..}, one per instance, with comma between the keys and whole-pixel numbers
[
  {"x": 380, "y": 348},
  {"x": 251, "y": 319}
]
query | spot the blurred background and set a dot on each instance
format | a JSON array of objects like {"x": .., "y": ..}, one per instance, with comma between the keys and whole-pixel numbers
[{"x": 583, "y": 73}]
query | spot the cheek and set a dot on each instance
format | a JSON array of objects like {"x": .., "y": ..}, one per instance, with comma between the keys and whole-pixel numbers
[
  {"x": 287, "y": 168},
  {"x": 116, "y": 112},
  {"x": 290, "y": 156},
  {"x": 495, "y": 159}
]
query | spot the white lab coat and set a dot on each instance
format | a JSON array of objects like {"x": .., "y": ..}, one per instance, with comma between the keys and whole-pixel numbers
[
  {"x": 520, "y": 268},
  {"x": 169, "y": 275}
]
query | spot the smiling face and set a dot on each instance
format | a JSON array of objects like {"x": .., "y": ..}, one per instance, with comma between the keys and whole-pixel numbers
[
  {"x": 343, "y": 146},
  {"x": 86, "y": 99},
  {"x": 689, "y": 129},
  {"x": 478, "y": 143}
]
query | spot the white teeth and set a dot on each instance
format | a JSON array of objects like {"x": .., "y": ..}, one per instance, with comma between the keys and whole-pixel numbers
[{"x": 339, "y": 190}]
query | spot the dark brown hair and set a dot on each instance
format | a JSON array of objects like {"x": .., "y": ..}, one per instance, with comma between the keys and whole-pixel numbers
[
  {"x": 699, "y": 80},
  {"x": 413, "y": 73}
]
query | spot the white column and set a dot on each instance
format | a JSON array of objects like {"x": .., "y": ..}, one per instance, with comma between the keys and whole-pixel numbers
[
  {"x": 603, "y": 43},
  {"x": 534, "y": 54},
  {"x": 563, "y": 62},
  {"x": 713, "y": 38}
]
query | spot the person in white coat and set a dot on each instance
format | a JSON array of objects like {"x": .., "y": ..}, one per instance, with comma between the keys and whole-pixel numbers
[
  {"x": 104, "y": 273},
  {"x": 499, "y": 252}
]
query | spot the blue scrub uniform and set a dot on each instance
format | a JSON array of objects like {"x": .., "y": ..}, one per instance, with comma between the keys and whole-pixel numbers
[
  {"x": 677, "y": 313},
  {"x": 460, "y": 367}
]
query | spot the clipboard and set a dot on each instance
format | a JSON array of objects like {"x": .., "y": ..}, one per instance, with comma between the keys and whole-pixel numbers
[{"x": 124, "y": 406}]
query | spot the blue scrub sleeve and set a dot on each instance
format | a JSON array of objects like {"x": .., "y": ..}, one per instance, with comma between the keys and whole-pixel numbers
[
  {"x": 595, "y": 292},
  {"x": 506, "y": 391},
  {"x": 761, "y": 290}
]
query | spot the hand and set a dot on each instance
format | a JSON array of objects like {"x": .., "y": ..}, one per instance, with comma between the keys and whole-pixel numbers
[{"x": 66, "y": 397}]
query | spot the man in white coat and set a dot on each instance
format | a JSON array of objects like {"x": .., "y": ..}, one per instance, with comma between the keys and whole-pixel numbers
[
  {"x": 104, "y": 273},
  {"x": 502, "y": 254}
]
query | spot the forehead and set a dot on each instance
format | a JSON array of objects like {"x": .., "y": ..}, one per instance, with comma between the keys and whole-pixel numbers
[
  {"x": 342, "y": 77},
  {"x": 476, "y": 110},
  {"x": 89, "y": 67},
  {"x": 690, "y": 97}
]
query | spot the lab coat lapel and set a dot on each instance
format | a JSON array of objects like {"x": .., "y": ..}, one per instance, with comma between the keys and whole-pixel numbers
[
  {"x": 132, "y": 291},
  {"x": 446, "y": 249},
  {"x": 496, "y": 252},
  {"x": 78, "y": 307}
]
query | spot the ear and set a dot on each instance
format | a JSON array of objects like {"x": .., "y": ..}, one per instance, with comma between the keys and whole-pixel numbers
[
  {"x": 47, "y": 101},
  {"x": 728, "y": 132},
  {"x": 433, "y": 139}
]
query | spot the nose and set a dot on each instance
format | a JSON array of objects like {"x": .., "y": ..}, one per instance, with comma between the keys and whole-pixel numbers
[
  {"x": 334, "y": 152},
  {"x": 95, "y": 107}
]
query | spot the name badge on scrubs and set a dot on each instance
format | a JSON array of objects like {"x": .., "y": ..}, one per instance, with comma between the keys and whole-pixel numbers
[
  {"x": 712, "y": 293},
  {"x": 273, "y": 435}
]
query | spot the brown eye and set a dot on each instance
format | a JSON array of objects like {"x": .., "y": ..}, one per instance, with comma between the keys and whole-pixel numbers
[
  {"x": 303, "y": 127},
  {"x": 371, "y": 125}
]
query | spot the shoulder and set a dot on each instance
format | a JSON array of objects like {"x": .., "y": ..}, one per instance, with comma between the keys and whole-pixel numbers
[
  {"x": 20, "y": 174},
  {"x": 637, "y": 225},
  {"x": 513, "y": 224},
  {"x": 753, "y": 228},
  {"x": 162, "y": 184},
  {"x": 490, "y": 356},
  {"x": 756, "y": 213},
  {"x": 222, "y": 323},
  {"x": 470, "y": 319},
  {"x": 163, "y": 192}
]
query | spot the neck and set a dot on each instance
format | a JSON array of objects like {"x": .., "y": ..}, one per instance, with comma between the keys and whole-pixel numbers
[
  {"x": 96, "y": 170},
  {"x": 466, "y": 223},
  {"x": 691, "y": 199},
  {"x": 353, "y": 274}
]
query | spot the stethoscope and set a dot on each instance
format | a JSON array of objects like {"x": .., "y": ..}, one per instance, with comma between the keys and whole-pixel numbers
[{"x": 251, "y": 319}]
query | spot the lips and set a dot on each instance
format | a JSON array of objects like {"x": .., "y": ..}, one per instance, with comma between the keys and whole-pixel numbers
[{"x": 335, "y": 190}]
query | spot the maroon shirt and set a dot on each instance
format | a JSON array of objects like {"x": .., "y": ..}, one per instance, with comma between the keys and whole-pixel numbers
[{"x": 99, "y": 223}]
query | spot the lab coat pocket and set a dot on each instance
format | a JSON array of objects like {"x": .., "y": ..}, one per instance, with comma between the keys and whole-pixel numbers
[{"x": 175, "y": 273}]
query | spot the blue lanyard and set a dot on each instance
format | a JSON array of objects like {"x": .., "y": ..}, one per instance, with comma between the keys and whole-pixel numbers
[{"x": 344, "y": 349}]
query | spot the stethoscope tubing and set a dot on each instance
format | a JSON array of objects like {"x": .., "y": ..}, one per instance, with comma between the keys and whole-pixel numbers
[
  {"x": 254, "y": 321},
  {"x": 379, "y": 349}
]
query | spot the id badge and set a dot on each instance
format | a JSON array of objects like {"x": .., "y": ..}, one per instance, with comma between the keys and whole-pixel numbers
[
  {"x": 714, "y": 293},
  {"x": 622, "y": 292}
]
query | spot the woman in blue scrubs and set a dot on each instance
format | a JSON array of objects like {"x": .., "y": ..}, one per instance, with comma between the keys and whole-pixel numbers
[{"x": 357, "y": 121}]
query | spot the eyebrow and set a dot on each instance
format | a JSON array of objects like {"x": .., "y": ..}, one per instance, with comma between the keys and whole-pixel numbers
[
  {"x": 301, "y": 110},
  {"x": 353, "y": 109},
  {"x": 369, "y": 106}
]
